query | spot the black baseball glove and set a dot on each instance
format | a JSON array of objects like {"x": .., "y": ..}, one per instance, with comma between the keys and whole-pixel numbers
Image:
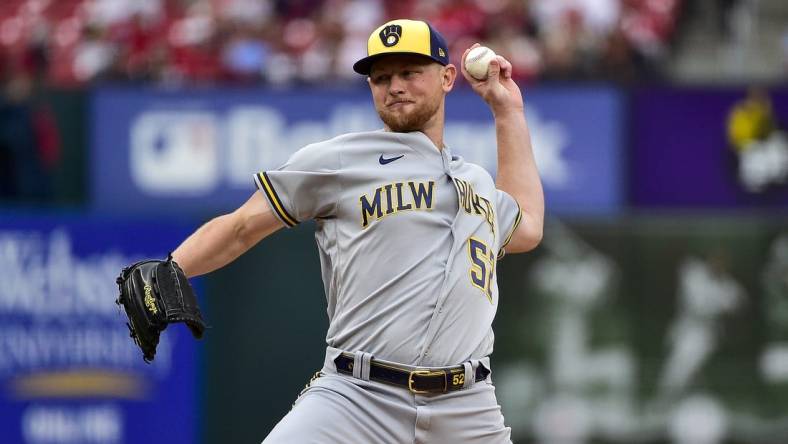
[{"x": 155, "y": 293}]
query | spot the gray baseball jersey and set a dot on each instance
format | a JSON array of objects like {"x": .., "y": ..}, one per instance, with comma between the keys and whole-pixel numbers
[{"x": 408, "y": 237}]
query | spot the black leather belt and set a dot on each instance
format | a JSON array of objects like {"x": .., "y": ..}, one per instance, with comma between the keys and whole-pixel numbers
[{"x": 439, "y": 380}]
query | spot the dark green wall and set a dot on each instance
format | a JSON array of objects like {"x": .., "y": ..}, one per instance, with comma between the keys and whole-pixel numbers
[{"x": 268, "y": 314}]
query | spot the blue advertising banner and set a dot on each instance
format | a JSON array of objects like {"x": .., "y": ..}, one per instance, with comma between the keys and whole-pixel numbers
[
  {"x": 195, "y": 151},
  {"x": 69, "y": 373},
  {"x": 704, "y": 148}
]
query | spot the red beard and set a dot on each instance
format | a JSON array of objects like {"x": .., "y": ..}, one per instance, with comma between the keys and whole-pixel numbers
[{"x": 411, "y": 121}]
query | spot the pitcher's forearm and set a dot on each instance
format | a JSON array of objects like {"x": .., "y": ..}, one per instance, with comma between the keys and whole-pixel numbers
[
  {"x": 517, "y": 172},
  {"x": 223, "y": 239},
  {"x": 211, "y": 247}
]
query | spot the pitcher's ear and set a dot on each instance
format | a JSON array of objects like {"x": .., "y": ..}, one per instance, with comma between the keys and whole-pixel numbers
[{"x": 448, "y": 76}]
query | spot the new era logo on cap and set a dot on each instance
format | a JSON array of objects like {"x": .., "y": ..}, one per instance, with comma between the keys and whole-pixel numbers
[{"x": 404, "y": 37}]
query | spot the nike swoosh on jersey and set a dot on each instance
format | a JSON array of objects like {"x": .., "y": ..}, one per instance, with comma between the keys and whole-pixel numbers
[{"x": 384, "y": 161}]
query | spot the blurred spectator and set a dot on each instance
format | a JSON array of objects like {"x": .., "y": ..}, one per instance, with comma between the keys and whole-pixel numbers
[
  {"x": 249, "y": 12},
  {"x": 598, "y": 16},
  {"x": 193, "y": 45},
  {"x": 356, "y": 17},
  {"x": 140, "y": 46},
  {"x": 751, "y": 119},
  {"x": 245, "y": 54},
  {"x": 105, "y": 13},
  {"x": 94, "y": 55},
  {"x": 723, "y": 19},
  {"x": 29, "y": 143},
  {"x": 760, "y": 145},
  {"x": 620, "y": 63},
  {"x": 512, "y": 31},
  {"x": 567, "y": 47}
]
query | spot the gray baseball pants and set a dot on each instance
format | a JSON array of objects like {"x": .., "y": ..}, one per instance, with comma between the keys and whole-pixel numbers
[{"x": 338, "y": 408}]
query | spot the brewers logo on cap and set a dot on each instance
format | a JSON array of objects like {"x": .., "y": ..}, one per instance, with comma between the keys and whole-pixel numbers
[
  {"x": 390, "y": 35},
  {"x": 404, "y": 37}
]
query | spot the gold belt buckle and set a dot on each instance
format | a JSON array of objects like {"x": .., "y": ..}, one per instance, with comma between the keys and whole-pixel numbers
[{"x": 425, "y": 373}]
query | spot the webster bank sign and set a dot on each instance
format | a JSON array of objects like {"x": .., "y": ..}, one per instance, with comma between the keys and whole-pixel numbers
[{"x": 69, "y": 373}]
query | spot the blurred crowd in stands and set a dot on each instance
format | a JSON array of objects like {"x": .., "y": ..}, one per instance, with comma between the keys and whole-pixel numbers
[{"x": 280, "y": 42}]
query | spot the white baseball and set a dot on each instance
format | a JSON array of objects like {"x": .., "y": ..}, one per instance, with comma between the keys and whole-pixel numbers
[{"x": 478, "y": 60}]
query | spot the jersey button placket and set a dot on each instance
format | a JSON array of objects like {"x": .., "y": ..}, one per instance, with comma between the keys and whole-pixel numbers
[
  {"x": 446, "y": 159},
  {"x": 435, "y": 322}
]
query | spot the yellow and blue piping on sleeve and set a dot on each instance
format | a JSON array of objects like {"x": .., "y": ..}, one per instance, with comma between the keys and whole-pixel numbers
[{"x": 264, "y": 184}]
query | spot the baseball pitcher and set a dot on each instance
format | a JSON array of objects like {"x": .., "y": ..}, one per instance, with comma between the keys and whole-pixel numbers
[{"x": 408, "y": 235}]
